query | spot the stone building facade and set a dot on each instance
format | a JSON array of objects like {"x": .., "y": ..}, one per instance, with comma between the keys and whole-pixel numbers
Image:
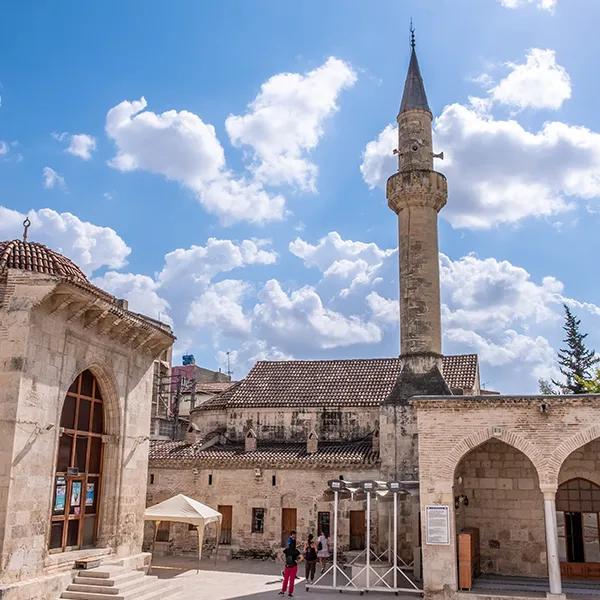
[
  {"x": 523, "y": 472},
  {"x": 75, "y": 395},
  {"x": 274, "y": 440}
]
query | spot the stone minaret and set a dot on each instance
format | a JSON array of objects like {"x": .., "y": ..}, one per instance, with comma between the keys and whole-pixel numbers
[{"x": 416, "y": 193}]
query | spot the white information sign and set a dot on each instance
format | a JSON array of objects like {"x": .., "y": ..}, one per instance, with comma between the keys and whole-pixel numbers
[{"x": 438, "y": 524}]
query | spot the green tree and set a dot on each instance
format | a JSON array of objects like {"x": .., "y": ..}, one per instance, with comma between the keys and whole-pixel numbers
[
  {"x": 591, "y": 386},
  {"x": 575, "y": 360}
]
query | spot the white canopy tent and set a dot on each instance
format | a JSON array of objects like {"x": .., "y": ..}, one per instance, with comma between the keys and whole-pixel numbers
[{"x": 181, "y": 509}]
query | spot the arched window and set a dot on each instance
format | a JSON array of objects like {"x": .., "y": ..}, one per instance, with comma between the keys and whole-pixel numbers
[
  {"x": 578, "y": 506},
  {"x": 78, "y": 467}
]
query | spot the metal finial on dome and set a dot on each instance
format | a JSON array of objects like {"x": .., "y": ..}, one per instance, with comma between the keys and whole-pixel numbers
[
  {"x": 26, "y": 225},
  {"x": 412, "y": 35}
]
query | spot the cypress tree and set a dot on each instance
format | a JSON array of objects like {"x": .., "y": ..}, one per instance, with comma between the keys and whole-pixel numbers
[{"x": 576, "y": 360}]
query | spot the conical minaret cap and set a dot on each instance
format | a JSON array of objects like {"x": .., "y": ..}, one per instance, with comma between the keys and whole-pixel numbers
[{"x": 414, "y": 96}]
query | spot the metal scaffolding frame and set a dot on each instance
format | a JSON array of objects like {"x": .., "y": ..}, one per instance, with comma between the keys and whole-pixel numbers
[{"x": 369, "y": 577}]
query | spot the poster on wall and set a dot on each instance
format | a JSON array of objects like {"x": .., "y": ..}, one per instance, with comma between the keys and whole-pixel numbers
[
  {"x": 76, "y": 493},
  {"x": 438, "y": 524},
  {"x": 89, "y": 494},
  {"x": 61, "y": 492}
]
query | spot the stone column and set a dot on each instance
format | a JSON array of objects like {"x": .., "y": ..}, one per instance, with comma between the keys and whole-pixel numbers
[{"x": 552, "y": 544}]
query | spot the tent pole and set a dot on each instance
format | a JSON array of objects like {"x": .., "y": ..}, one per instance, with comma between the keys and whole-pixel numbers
[
  {"x": 368, "y": 516},
  {"x": 156, "y": 524},
  {"x": 335, "y": 534}
]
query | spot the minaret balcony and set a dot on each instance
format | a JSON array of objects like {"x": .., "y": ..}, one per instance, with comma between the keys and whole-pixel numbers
[{"x": 416, "y": 188}]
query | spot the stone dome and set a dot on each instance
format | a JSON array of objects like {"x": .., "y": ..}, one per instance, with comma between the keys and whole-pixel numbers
[{"x": 31, "y": 256}]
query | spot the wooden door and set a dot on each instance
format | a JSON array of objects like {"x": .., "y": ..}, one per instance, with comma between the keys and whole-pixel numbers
[
  {"x": 357, "y": 530},
  {"x": 288, "y": 524},
  {"x": 227, "y": 511}
]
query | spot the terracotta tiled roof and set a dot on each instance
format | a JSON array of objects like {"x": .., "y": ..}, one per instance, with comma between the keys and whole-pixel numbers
[
  {"x": 460, "y": 371},
  {"x": 336, "y": 454},
  {"x": 31, "y": 256},
  {"x": 361, "y": 382},
  {"x": 208, "y": 388}
]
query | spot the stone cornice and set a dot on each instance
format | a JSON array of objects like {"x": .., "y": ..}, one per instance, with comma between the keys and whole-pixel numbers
[{"x": 488, "y": 401}]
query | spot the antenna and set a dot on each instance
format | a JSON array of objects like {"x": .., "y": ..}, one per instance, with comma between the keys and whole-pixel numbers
[{"x": 228, "y": 364}]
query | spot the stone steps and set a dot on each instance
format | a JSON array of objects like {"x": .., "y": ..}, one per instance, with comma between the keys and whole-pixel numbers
[{"x": 119, "y": 583}]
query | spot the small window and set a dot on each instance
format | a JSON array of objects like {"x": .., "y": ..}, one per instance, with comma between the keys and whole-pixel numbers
[
  {"x": 151, "y": 478},
  {"x": 210, "y": 479},
  {"x": 341, "y": 477},
  {"x": 258, "y": 520},
  {"x": 323, "y": 521},
  {"x": 274, "y": 480},
  {"x": 192, "y": 527}
]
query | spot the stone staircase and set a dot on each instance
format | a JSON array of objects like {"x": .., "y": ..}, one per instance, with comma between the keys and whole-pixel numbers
[{"x": 119, "y": 583}]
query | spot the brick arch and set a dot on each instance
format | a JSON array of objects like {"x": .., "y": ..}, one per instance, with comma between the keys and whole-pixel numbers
[
  {"x": 570, "y": 445},
  {"x": 478, "y": 438}
]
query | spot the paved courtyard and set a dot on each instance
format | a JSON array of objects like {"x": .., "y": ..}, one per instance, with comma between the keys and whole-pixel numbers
[{"x": 252, "y": 579}]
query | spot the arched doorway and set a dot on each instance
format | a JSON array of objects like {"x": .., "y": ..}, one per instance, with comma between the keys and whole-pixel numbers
[
  {"x": 78, "y": 476},
  {"x": 578, "y": 519},
  {"x": 500, "y": 508}
]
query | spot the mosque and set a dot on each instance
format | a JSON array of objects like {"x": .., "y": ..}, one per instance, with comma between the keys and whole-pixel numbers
[{"x": 518, "y": 475}]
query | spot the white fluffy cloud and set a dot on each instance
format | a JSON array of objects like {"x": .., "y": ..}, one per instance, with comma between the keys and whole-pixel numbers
[
  {"x": 539, "y": 82},
  {"x": 82, "y": 145},
  {"x": 548, "y": 5},
  {"x": 52, "y": 179},
  {"x": 89, "y": 246},
  {"x": 351, "y": 263},
  {"x": 219, "y": 309},
  {"x": 183, "y": 148},
  {"x": 300, "y": 320},
  {"x": 285, "y": 121},
  {"x": 500, "y": 171},
  {"x": 4, "y": 148}
]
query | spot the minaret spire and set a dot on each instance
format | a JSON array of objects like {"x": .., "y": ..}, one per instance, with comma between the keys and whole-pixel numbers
[{"x": 414, "y": 95}]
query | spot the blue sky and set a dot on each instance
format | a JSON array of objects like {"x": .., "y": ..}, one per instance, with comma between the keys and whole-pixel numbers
[{"x": 264, "y": 127}]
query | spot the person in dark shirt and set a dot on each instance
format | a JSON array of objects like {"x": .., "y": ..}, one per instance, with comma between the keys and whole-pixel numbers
[
  {"x": 310, "y": 556},
  {"x": 292, "y": 557}
]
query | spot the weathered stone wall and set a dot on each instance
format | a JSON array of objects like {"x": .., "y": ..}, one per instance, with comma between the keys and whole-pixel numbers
[
  {"x": 505, "y": 503},
  {"x": 287, "y": 424},
  {"x": 40, "y": 356},
  {"x": 451, "y": 428},
  {"x": 240, "y": 488}
]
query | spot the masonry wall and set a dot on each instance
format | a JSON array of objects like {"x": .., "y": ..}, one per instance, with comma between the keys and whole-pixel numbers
[
  {"x": 242, "y": 489},
  {"x": 505, "y": 503},
  {"x": 282, "y": 424},
  {"x": 40, "y": 356}
]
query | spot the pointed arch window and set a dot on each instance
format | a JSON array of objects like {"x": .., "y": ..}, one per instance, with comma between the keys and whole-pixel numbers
[{"x": 75, "y": 502}]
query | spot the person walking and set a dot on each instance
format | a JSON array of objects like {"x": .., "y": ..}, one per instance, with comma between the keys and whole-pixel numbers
[
  {"x": 310, "y": 558},
  {"x": 322, "y": 550},
  {"x": 292, "y": 557}
]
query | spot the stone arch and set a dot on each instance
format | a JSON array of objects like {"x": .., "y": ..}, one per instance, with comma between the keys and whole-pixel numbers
[
  {"x": 478, "y": 438},
  {"x": 112, "y": 447},
  {"x": 570, "y": 445}
]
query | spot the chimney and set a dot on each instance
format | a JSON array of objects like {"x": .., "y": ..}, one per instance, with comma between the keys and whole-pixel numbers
[
  {"x": 122, "y": 303},
  {"x": 250, "y": 441},
  {"x": 312, "y": 442}
]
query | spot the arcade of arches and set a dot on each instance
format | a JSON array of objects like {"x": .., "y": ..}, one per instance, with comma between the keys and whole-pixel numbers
[{"x": 527, "y": 480}]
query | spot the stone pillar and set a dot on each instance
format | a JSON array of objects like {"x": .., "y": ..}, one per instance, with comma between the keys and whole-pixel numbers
[
  {"x": 440, "y": 570},
  {"x": 552, "y": 544}
]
